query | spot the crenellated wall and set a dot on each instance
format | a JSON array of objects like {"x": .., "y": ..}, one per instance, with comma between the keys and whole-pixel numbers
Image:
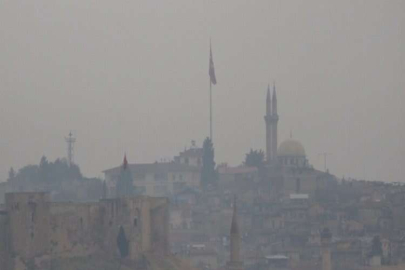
[{"x": 38, "y": 230}]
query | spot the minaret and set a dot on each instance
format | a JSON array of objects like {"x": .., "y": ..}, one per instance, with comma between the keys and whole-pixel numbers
[
  {"x": 267, "y": 119},
  {"x": 326, "y": 239},
  {"x": 274, "y": 123},
  {"x": 235, "y": 262}
]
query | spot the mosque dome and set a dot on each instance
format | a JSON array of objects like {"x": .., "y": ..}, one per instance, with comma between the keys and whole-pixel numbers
[{"x": 291, "y": 148}]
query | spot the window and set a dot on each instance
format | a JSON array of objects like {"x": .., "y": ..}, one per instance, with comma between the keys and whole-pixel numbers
[
  {"x": 141, "y": 189},
  {"x": 178, "y": 186},
  {"x": 136, "y": 222},
  {"x": 139, "y": 176},
  {"x": 160, "y": 176},
  {"x": 160, "y": 190}
]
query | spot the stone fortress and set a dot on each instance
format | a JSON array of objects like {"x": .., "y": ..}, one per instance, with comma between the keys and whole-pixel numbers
[{"x": 35, "y": 231}]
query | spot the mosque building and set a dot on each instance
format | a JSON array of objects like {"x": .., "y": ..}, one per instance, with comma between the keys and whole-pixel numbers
[{"x": 288, "y": 168}]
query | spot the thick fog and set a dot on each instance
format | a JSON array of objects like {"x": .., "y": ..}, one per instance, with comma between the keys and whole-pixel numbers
[{"x": 132, "y": 76}]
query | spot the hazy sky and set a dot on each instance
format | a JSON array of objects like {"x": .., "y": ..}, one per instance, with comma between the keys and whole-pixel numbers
[{"x": 132, "y": 76}]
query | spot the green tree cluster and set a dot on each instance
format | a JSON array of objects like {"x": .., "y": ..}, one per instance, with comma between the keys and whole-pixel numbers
[
  {"x": 255, "y": 158},
  {"x": 376, "y": 246},
  {"x": 209, "y": 175},
  {"x": 57, "y": 171},
  {"x": 125, "y": 187}
]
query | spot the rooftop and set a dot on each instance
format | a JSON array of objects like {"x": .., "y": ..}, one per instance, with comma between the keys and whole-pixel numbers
[{"x": 154, "y": 167}]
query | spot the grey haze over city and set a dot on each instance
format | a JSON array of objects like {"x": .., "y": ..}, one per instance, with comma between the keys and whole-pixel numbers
[{"x": 132, "y": 77}]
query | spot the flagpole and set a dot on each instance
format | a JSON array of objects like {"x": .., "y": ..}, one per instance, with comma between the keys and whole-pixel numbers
[
  {"x": 212, "y": 80},
  {"x": 210, "y": 109}
]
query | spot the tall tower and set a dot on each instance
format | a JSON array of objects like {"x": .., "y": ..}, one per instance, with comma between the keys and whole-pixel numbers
[
  {"x": 235, "y": 263},
  {"x": 271, "y": 119},
  {"x": 70, "y": 140},
  {"x": 326, "y": 239},
  {"x": 274, "y": 119},
  {"x": 267, "y": 119}
]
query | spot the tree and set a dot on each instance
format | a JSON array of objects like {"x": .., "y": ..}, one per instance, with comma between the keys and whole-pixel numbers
[
  {"x": 44, "y": 169},
  {"x": 255, "y": 158},
  {"x": 122, "y": 244},
  {"x": 51, "y": 176},
  {"x": 11, "y": 174},
  {"x": 104, "y": 194},
  {"x": 59, "y": 170},
  {"x": 209, "y": 175},
  {"x": 376, "y": 246},
  {"x": 43, "y": 163},
  {"x": 28, "y": 173},
  {"x": 125, "y": 187}
]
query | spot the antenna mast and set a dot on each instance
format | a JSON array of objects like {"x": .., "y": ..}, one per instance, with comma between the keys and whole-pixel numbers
[
  {"x": 325, "y": 155},
  {"x": 70, "y": 140}
]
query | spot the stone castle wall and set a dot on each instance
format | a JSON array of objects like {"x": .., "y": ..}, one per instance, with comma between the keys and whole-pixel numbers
[
  {"x": 28, "y": 224},
  {"x": 3, "y": 239},
  {"x": 36, "y": 230}
]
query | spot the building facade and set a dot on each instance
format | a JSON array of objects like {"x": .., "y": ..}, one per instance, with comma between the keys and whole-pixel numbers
[{"x": 161, "y": 179}]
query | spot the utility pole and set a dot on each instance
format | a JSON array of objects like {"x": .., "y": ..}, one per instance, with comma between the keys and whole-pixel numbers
[
  {"x": 70, "y": 140},
  {"x": 325, "y": 155}
]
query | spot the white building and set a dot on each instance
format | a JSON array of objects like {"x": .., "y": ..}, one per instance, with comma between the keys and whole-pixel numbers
[{"x": 162, "y": 178}]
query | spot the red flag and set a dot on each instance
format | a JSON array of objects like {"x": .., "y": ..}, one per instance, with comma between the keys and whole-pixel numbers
[{"x": 211, "y": 71}]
